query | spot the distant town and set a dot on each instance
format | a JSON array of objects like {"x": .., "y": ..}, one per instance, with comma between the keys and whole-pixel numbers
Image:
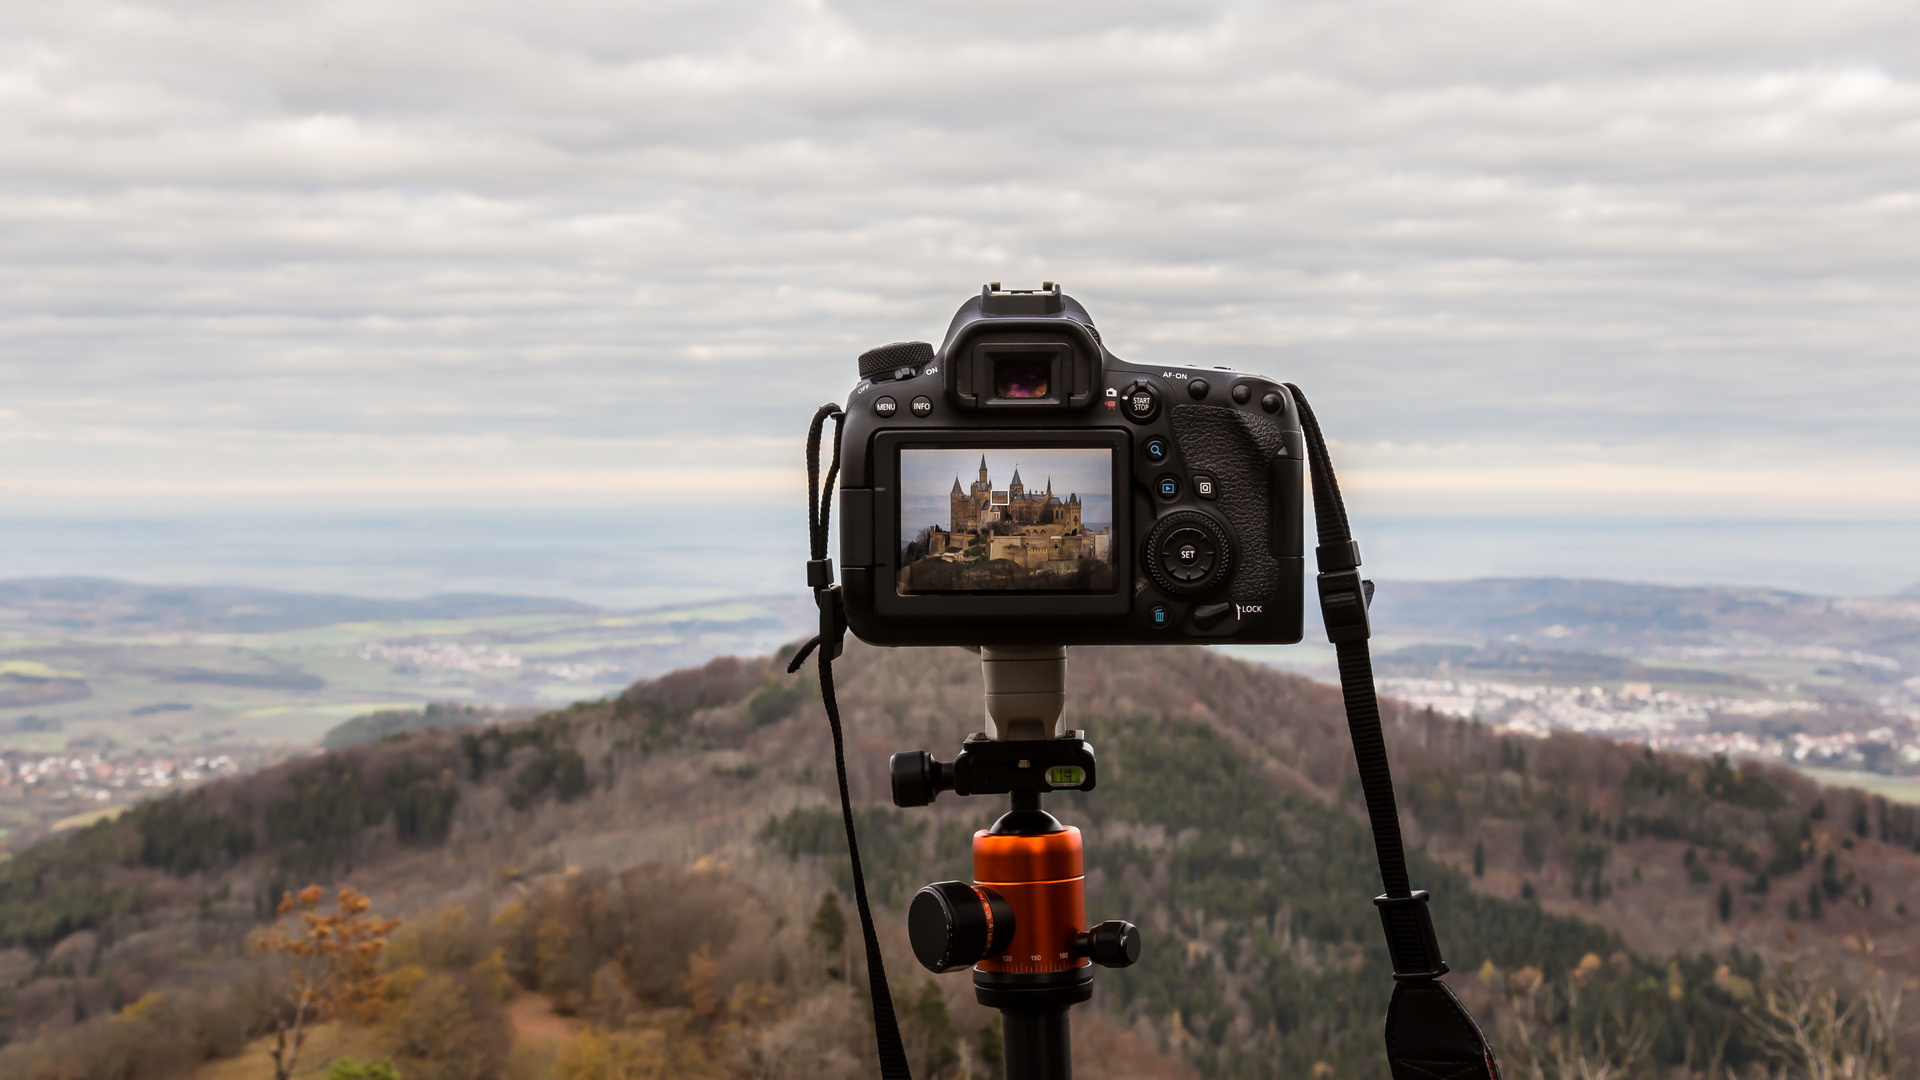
[{"x": 1692, "y": 723}]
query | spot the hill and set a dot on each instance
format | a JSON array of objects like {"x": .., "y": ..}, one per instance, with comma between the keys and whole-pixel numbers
[
  {"x": 1870, "y": 639},
  {"x": 102, "y": 605},
  {"x": 652, "y": 869}
]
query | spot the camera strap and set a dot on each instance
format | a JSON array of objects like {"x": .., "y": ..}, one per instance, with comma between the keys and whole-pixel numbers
[
  {"x": 828, "y": 643},
  {"x": 1430, "y": 1035}
]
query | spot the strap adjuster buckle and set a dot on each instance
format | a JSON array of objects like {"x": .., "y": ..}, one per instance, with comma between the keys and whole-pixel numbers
[
  {"x": 833, "y": 621},
  {"x": 1343, "y": 606},
  {"x": 1410, "y": 938},
  {"x": 819, "y": 574}
]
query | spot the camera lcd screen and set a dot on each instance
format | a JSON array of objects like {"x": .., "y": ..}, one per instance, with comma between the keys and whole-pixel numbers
[{"x": 1006, "y": 519}]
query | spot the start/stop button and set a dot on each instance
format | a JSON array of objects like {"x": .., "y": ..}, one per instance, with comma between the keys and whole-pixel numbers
[{"x": 1140, "y": 402}]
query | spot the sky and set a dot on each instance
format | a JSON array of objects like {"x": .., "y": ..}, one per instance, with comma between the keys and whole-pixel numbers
[{"x": 1625, "y": 261}]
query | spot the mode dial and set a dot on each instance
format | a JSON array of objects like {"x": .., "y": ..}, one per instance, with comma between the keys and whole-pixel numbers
[
  {"x": 954, "y": 925},
  {"x": 887, "y": 360},
  {"x": 1188, "y": 553}
]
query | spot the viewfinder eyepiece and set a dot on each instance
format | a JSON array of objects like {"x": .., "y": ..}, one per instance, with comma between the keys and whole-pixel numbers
[{"x": 1021, "y": 377}]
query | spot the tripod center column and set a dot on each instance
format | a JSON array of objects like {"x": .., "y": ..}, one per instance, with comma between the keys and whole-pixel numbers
[{"x": 1026, "y": 690}]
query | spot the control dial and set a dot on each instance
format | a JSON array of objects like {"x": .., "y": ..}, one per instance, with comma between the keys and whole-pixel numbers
[
  {"x": 1188, "y": 553},
  {"x": 887, "y": 361},
  {"x": 954, "y": 925}
]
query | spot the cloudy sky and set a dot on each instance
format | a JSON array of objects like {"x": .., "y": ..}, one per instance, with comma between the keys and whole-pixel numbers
[{"x": 1599, "y": 258}]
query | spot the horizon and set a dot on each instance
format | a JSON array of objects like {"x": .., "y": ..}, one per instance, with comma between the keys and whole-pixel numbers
[{"x": 631, "y": 559}]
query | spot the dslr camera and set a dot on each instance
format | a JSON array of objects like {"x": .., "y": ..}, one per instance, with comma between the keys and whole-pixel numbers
[{"x": 1021, "y": 485}]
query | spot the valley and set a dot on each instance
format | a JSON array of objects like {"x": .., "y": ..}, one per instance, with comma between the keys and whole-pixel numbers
[{"x": 1632, "y": 908}]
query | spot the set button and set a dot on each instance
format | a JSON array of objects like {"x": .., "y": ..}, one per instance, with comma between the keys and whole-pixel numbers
[{"x": 1187, "y": 554}]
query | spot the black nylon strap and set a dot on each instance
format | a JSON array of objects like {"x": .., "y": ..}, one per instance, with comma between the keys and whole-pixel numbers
[
  {"x": 1430, "y": 1035},
  {"x": 1356, "y": 664},
  {"x": 886, "y": 1027}
]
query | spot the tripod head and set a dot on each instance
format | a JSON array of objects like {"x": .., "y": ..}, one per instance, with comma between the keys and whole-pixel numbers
[{"x": 1021, "y": 924}]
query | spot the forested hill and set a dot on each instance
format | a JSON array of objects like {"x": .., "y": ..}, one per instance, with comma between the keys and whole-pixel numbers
[{"x": 1618, "y": 901}]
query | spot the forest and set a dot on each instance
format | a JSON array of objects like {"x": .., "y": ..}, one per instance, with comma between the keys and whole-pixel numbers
[{"x": 655, "y": 885}]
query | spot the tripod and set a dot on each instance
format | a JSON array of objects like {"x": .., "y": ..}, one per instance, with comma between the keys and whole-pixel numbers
[{"x": 1022, "y": 924}]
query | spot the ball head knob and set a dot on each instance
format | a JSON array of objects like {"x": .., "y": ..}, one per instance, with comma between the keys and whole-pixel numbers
[
  {"x": 954, "y": 925},
  {"x": 917, "y": 777},
  {"x": 1114, "y": 943}
]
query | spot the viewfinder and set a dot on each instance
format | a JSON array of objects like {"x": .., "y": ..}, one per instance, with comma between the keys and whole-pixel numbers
[{"x": 1022, "y": 377}]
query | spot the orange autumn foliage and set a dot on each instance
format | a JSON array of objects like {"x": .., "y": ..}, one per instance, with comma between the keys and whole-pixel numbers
[{"x": 336, "y": 966}]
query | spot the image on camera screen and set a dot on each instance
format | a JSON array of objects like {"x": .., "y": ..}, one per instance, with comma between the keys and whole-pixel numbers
[{"x": 1037, "y": 519}]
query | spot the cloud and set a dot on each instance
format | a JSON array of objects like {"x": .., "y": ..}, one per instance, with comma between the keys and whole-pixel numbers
[{"x": 341, "y": 249}]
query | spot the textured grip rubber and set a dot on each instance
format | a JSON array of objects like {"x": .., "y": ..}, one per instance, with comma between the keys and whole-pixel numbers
[
  {"x": 1235, "y": 448},
  {"x": 888, "y": 358}
]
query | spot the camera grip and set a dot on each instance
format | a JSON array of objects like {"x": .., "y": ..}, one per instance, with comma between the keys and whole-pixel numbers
[{"x": 1238, "y": 449}]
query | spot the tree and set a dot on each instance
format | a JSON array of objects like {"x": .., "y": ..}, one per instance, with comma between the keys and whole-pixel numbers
[
  {"x": 829, "y": 922},
  {"x": 933, "y": 1041},
  {"x": 1726, "y": 902},
  {"x": 1815, "y": 1032},
  {"x": 1479, "y": 859},
  {"x": 448, "y": 1028},
  {"x": 336, "y": 969},
  {"x": 829, "y": 929}
]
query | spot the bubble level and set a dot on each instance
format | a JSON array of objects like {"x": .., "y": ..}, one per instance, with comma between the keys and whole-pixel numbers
[{"x": 1068, "y": 776}]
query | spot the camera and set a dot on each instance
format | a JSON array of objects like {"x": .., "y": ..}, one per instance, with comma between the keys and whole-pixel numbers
[{"x": 1021, "y": 485}]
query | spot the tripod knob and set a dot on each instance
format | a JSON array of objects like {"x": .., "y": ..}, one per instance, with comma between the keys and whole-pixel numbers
[
  {"x": 954, "y": 925},
  {"x": 1114, "y": 943},
  {"x": 917, "y": 777}
]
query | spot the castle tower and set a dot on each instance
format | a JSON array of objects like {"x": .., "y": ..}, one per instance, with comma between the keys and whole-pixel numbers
[
  {"x": 1016, "y": 489},
  {"x": 958, "y": 507}
]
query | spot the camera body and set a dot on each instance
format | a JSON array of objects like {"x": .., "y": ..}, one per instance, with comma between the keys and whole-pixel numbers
[{"x": 1021, "y": 485}]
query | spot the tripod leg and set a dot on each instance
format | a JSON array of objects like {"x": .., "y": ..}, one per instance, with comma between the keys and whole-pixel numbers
[{"x": 1038, "y": 1045}]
